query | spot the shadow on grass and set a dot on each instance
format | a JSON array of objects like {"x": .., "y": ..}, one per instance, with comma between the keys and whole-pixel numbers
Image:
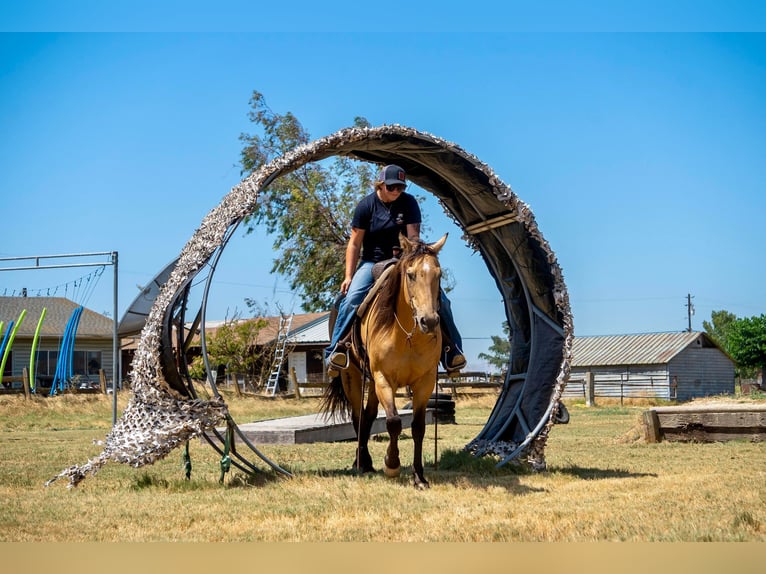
[
  {"x": 456, "y": 467},
  {"x": 599, "y": 473},
  {"x": 233, "y": 479}
]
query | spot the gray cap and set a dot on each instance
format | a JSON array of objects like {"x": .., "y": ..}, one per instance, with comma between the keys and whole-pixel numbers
[{"x": 391, "y": 175}]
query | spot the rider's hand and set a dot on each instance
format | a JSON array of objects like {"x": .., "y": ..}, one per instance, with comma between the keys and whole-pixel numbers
[{"x": 344, "y": 286}]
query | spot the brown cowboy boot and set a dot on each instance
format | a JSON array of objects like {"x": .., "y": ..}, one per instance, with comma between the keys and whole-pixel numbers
[
  {"x": 339, "y": 358},
  {"x": 453, "y": 359}
]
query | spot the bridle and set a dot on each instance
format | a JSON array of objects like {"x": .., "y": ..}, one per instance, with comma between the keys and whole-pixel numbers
[{"x": 405, "y": 285}]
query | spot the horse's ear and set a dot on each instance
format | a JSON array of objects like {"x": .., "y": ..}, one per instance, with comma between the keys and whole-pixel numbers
[
  {"x": 406, "y": 244},
  {"x": 436, "y": 247}
]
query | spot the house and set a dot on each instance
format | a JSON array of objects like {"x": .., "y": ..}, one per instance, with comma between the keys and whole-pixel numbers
[
  {"x": 307, "y": 344},
  {"x": 674, "y": 366},
  {"x": 93, "y": 347},
  {"x": 304, "y": 345}
]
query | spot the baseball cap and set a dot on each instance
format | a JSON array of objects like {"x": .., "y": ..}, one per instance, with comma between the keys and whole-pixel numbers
[{"x": 391, "y": 175}]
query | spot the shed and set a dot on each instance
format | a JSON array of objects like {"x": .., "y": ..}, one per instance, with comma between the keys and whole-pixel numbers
[
  {"x": 307, "y": 343},
  {"x": 93, "y": 343},
  {"x": 674, "y": 366}
]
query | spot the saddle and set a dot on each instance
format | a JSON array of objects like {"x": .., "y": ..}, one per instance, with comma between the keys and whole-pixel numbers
[
  {"x": 380, "y": 272},
  {"x": 352, "y": 341}
]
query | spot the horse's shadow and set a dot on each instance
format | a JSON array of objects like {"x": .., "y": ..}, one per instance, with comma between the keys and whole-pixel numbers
[{"x": 587, "y": 473}]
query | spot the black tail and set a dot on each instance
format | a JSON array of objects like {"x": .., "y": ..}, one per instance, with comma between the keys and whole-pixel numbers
[{"x": 334, "y": 400}]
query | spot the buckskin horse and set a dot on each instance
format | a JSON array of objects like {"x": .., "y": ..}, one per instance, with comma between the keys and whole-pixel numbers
[{"x": 398, "y": 345}]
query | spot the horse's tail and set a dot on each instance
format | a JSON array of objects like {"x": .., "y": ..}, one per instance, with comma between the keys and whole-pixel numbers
[{"x": 334, "y": 399}]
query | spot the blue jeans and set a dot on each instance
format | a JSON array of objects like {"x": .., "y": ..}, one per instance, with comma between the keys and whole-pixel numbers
[{"x": 360, "y": 286}]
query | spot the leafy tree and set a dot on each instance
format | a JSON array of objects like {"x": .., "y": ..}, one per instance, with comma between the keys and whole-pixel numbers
[
  {"x": 748, "y": 343},
  {"x": 235, "y": 344},
  {"x": 719, "y": 328},
  {"x": 499, "y": 350},
  {"x": 307, "y": 211}
]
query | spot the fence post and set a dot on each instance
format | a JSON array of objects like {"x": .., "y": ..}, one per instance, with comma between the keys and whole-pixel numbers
[
  {"x": 294, "y": 379},
  {"x": 25, "y": 383},
  {"x": 590, "y": 393}
]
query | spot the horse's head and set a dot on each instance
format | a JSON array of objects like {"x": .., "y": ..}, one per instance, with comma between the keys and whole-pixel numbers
[{"x": 421, "y": 276}]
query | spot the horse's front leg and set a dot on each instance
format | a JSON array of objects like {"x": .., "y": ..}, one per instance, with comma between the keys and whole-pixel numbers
[
  {"x": 385, "y": 393},
  {"x": 421, "y": 392}
]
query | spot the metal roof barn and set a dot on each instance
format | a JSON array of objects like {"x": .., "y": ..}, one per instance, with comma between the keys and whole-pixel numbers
[{"x": 674, "y": 366}]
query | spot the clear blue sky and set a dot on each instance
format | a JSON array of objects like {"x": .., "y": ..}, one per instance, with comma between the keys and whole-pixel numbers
[{"x": 641, "y": 154}]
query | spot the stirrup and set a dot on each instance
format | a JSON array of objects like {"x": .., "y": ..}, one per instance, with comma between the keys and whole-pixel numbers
[
  {"x": 338, "y": 359},
  {"x": 453, "y": 364}
]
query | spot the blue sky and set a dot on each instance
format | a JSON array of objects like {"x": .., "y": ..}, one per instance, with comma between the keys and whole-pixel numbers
[{"x": 641, "y": 155}]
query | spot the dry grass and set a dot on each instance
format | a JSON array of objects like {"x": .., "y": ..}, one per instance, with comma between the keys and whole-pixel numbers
[{"x": 603, "y": 483}]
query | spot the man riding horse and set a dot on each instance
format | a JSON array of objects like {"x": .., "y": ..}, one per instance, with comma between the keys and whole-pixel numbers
[{"x": 378, "y": 220}]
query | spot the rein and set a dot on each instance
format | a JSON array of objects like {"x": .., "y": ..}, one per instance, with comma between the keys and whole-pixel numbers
[{"x": 396, "y": 316}]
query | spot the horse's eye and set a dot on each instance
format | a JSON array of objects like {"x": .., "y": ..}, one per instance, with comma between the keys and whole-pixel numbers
[{"x": 411, "y": 275}]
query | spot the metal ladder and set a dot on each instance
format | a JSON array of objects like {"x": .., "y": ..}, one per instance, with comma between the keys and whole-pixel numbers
[{"x": 279, "y": 354}]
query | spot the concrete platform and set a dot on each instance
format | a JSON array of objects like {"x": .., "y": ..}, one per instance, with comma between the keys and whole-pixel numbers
[{"x": 314, "y": 428}]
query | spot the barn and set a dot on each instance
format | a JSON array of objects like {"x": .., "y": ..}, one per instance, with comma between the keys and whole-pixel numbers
[
  {"x": 673, "y": 366},
  {"x": 93, "y": 347}
]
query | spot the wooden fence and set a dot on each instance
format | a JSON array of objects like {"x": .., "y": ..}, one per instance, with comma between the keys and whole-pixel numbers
[
  {"x": 632, "y": 387},
  {"x": 44, "y": 391}
]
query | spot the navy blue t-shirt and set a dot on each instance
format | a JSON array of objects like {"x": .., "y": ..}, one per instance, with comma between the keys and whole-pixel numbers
[{"x": 382, "y": 224}]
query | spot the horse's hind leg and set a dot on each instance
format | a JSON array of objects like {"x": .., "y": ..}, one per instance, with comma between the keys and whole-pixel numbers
[
  {"x": 363, "y": 459},
  {"x": 352, "y": 385}
]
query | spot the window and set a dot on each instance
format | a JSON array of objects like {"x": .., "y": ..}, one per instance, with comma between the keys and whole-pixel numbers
[
  {"x": 86, "y": 362},
  {"x": 45, "y": 363}
]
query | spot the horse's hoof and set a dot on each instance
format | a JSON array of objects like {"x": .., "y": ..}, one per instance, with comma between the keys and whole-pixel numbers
[
  {"x": 422, "y": 484},
  {"x": 391, "y": 472}
]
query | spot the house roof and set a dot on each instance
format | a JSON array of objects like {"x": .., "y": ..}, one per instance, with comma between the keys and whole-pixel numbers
[
  {"x": 301, "y": 324},
  {"x": 57, "y": 314},
  {"x": 641, "y": 349},
  {"x": 315, "y": 331}
]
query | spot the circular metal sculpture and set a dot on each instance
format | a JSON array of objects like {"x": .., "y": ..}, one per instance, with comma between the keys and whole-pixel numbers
[{"x": 164, "y": 411}]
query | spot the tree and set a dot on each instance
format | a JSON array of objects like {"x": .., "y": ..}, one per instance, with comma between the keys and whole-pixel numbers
[
  {"x": 748, "y": 343},
  {"x": 499, "y": 350},
  {"x": 307, "y": 211},
  {"x": 235, "y": 344},
  {"x": 720, "y": 328}
]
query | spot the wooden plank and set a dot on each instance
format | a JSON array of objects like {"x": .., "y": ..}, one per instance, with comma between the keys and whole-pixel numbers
[
  {"x": 707, "y": 423},
  {"x": 652, "y": 426}
]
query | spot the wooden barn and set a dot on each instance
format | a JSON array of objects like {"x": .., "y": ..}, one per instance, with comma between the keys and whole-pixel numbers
[
  {"x": 93, "y": 347},
  {"x": 673, "y": 366}
]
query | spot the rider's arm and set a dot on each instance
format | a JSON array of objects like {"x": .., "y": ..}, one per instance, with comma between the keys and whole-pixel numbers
[{"x": 353, "y": 249}]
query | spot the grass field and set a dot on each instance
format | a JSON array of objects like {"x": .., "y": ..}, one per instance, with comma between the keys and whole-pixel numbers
[{"x": 603, "y": 483}]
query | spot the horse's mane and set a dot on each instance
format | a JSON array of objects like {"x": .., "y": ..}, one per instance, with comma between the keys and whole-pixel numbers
[{"x": 385, "y": 301}]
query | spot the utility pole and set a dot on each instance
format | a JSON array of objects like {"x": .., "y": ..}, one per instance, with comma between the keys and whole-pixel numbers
[{"x": 689, "y": 310}]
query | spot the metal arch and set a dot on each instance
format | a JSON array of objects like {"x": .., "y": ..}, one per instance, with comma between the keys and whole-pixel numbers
[
  {"x": 163, "y": 414},
  {"x": 503, "y": 230}
]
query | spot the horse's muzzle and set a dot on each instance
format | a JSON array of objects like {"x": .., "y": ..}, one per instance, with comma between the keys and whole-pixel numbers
[{"x": 428, "y": 323}]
